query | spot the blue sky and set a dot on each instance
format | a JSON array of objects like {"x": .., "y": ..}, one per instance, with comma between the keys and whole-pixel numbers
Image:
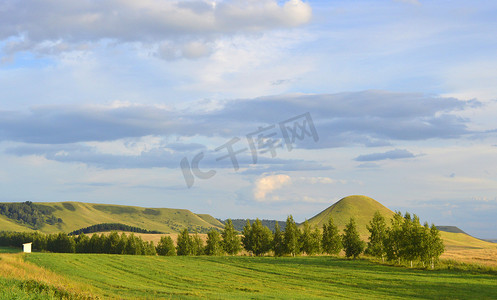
[{"x": 102, "y": 100}]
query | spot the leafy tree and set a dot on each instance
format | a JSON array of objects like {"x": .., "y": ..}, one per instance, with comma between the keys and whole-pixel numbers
[
  {"x": 96, "y": 244},
  {"x": 149, "y": 248},
  {"x": 310, "y": 240},
  {"x": 434, "y": 245},
  {"x": 378, "y": 234},
  {"x": 214, "y": 245},
  {"x": 331, "y": 241},
  {"x": 112, "y": 242},
  {"x": 352, "y": 243},
  {"x": 246, "y": 237},
  {"x": 231, "y": 240},
  {"x": 393, "y": 242},
  {"x": 292, "y": 237},
  {"x": 83, "y": 244},
  {"x": 278, "y": 241},
  {"x": 197, "y": 245},
  {"x": 408, "y": 239},
  {"x": 134, "y": 245},
  {"x": 417, "y": 240},
  {"x": 184, "y": 243},
  {"x": 121, "y": 245},
  {"x": 315, "y": 245},
  {"x": 165, "y": 247},
  {"x": 39, "y": 241},
  {"x": 61, "y": 243},
  {"x": 261, "y": 238}
]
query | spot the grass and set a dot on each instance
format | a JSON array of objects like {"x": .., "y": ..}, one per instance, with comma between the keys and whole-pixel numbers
[
  {"x": 23, "y": 280},
  {"x": 131, "y": 277},
  {"x": 467, "y": 249},
  {"x": 7, "y": 224},
  {"x": 10, "y": 250}
]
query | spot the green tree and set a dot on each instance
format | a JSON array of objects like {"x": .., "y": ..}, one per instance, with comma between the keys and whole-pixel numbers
[
  {"x": 278, "y": 241},
  {"x": 96, "y": 244},
  {"x": 40, "y": 241},
  {"x": 165, "y": 247},
  {"x": 61, "y": 243},
  {"x": 408, "y": 239},
  {"x": 310, "y": 240},
  {"x": 231, "y": 240},
  {"x": 394, "y": 239},
  {"x": 197, "y": 245},
  {"x": 134, "y": 245},
  {"x": 352, "y": 243},
  {"x": 246, "y": 237},
  {"x": 83, "y": 244},
  {"x": 434, "y": 245},
  {"x": 331, "y": 241},
  {"x": 112, "y": 242},
  {"x": 184, "y": 243},
  {"x": 214, "y": 245},
  {"x": 261, "y": 238},
  {"x": 378, "y": 234},
  {"x": 121, "y": 245},
  {"x": 315, "y": 244},
  {"x": 291, "y": 237},
  {"x": 149, "y": 248}
]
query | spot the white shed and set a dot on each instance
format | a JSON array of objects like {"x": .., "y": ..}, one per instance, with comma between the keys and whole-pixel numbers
[{"x": 27, "y": 247}]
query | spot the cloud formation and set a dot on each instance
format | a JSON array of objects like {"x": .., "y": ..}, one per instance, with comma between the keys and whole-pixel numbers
[
  {"x": 267, "y": 184},
  {"x": 393, "y": 154},
  {"x": 383, "y": 117},
  {"x": 58, "y": 26},
  {"x": 166, "y": 155}
]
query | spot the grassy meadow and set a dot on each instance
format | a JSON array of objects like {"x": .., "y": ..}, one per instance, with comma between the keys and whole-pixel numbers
[{"x": 131, "y": 277}]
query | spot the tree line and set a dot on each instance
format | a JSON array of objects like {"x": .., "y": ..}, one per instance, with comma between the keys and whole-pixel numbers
[
  {"x": 112, "y": 227},
  {"x": 405, "y": 240},
  {"x": 240, "y": 223},
  {"x": 112, "y": 243}
]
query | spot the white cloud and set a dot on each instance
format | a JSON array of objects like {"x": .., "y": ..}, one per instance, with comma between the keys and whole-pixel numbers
[{"x": 269, "y": 183}]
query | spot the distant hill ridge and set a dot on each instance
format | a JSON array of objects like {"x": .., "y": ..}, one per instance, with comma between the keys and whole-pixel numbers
[
  {"x": 453, "y": 229},
  {"x": 56, "y": 217},
  {"x": 71, "y": 216}
]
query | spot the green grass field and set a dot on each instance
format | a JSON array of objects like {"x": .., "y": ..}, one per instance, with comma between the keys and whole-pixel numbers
[
  {"x": 132, "y": 277},
  {"x": 10, "y": 250}
]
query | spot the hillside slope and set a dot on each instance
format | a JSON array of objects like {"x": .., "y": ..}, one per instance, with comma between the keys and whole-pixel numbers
[
  {"x": 457, "y": 243},
  {"x": 76, "y": 215},
  {"x": 361, "y": 208},
  {"x": 8, "y": 225}
]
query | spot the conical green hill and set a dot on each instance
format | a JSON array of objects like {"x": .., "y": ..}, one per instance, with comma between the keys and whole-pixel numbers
[{"x": 361, "y": 208}]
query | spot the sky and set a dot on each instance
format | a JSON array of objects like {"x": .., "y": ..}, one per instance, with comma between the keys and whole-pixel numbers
[{"x": 252, "y": 108}]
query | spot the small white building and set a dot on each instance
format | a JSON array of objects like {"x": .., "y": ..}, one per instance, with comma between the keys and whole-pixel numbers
[{"x": 27, "y": 247}]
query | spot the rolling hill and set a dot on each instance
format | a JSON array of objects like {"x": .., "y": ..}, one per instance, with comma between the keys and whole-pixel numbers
[
  {"x": 76, "y": 215},
  {"x": 362, "y": 208},
  {"x": 458, "y": 244}
]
